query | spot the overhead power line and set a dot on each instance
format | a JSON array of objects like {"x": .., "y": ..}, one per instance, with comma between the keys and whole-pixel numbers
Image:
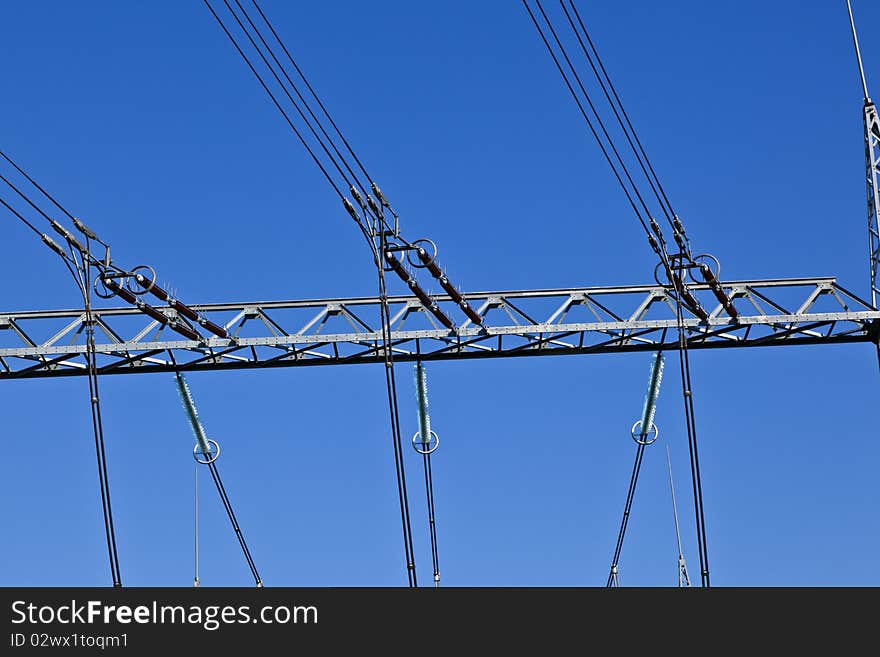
[{"x": 676, "y": 266}]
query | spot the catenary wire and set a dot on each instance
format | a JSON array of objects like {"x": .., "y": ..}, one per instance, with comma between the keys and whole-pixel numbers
[
  {"x": 36, "y": 184},
  {"x": 678, "y": 285},
  {"x": 587, "y": 119},
  {"x": 21, "y": 217},
  {"x": 304, "y": 102},
  {"x": 390, "y": 380},
  {"x": 624, "y": 122},
  {"x": 281, "y": 84},
  {"x": 274, "y": 100},
  {"x": 596, "y": 114},
  {"x": 312, "y": 91}
]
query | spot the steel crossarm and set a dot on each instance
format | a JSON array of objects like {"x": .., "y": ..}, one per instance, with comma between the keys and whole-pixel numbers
[{"x": 585, "y": 320}]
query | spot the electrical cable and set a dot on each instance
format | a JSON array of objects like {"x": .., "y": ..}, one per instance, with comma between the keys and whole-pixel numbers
[
  {"x": 625, "y": 123},
  {"x": 596, "y": 115},
  {"x": 281, "y": 83},
  {"x": 21, "y": 217},
  {"x": 693, "y": 452},
  {"x": 587, "y": 119},
  {"x": 274, "y": 100},
  {"x": 84, "y": 282},
  {"x": 680, "y": 291},
  {"x": 227, "y": 504},
  {"x": 303, "y": 100},
  {"x": 80, "y": 271},
  {"x": 391, "y": 387},
  {"x": 37, "y": 185},
  {"x": 312, "y": 91},
  {"x": 373, "y": 208}
]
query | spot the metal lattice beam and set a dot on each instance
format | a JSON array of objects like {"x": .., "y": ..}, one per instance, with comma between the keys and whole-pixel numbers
[
  {"x": 872, "y": 163},
  {"x": 521, "y": 323}
]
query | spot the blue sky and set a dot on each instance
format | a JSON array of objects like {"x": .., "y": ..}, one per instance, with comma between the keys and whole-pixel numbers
[{"x": 140, "y": 118}]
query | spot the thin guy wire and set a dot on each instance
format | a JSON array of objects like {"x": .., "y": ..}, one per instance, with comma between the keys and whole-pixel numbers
[
  {"x": 196, "y": 517},
  {"x": 674, "y": 506}
]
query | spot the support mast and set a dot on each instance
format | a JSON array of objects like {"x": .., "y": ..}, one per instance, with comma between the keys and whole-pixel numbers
[{"x": 872, "y": 165}]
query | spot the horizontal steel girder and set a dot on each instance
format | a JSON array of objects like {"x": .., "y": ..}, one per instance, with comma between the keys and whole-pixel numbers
[{"x": 520, "y": 323}]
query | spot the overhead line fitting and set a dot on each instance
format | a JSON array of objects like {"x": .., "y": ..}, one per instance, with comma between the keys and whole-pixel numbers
[
  {"x": 644, "y": 432},
  {"x": 623, "y": 168},
  {"x": 149, "y": 310},
  {"x": 154, "y": 289},
  {"x": 430, "y": 263},
  {"x": 425, "y": 441},
  {"x": 210, "y": 451},
  {"x": 645, "y": 426},
  {"x": 397, "y": 267}
]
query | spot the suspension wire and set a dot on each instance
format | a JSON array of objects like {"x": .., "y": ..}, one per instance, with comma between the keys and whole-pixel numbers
[
  {"x": 283, "y": 87},
  {"x": 304, "y": 102},
  {"x": 627, "y": 127},
  {"x": 312, "y": 91},
  {"x": 391, "y": 386},
  {"x": 587, "y": 119},
  {"x": 275, "y": 101},
  {"x": 596, "y": 115}
]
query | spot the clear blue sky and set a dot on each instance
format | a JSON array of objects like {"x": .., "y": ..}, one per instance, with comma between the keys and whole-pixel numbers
[{"x": 140, "y": 117}]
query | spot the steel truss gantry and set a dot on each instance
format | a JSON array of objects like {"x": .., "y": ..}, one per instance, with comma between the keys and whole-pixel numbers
[
  {"x": 872, "y": 165},
  {"x": 40, "y": 344},
  {"x": 871, "y": 123}
]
